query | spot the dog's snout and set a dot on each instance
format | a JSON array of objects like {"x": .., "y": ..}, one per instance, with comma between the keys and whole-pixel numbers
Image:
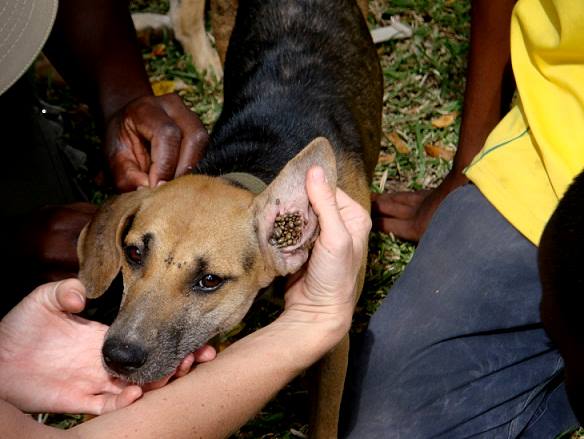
[{"x": 123, "y": 357}]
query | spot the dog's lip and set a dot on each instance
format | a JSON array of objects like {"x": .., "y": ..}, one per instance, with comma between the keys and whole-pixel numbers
[{"x": 136, "y": 376}]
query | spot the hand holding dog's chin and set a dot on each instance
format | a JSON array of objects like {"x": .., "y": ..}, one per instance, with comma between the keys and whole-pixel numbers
[
  {"x": 50, "y": 359},
  {"x": 151, "y": 140}
]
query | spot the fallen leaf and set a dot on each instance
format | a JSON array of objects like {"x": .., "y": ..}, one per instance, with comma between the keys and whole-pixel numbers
[
  {"x": 401, "y": 146},
  {"x": 439, "y": 150},
  {"x": 445, "y": 120},
  {"x": 163, "y": 87},
  {"x": 386, "y": 158},
  {"x": 159, "y": 50}
]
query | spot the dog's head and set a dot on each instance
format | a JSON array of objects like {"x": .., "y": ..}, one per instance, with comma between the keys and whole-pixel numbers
[{"x": 193, "y": 254}]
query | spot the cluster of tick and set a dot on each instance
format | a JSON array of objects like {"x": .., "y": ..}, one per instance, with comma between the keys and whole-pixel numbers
[{"x": 287, "y": 230}]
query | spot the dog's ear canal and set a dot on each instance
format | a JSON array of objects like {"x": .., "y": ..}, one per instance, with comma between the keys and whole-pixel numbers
[
  {"x": 285, "y": 222},
  {"x": 99, "y": 248}
]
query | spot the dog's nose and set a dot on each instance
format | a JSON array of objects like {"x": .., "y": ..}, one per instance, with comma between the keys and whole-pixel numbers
[{"x": 123, "y": 357}]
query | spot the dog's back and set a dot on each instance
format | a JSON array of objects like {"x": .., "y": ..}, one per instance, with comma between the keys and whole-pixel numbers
[{"x": 297, "y": 70}]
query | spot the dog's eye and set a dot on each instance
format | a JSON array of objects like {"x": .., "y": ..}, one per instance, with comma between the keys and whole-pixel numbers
[
  {"x": 133, "y": 254},
  {"x": 209, "y": 282}
]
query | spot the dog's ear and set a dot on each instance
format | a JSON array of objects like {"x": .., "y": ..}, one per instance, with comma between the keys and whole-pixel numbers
[
  {"x": 99, "y": 248},
  {"x": 286, "y": 196}
]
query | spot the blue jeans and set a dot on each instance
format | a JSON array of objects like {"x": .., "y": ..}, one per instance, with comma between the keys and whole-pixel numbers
[{"x": 457, "y": 349}]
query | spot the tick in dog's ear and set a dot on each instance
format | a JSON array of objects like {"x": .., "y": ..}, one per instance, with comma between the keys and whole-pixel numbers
[
  {"x": 285, "y": 222},
  {"x": 99, "y": 248}
]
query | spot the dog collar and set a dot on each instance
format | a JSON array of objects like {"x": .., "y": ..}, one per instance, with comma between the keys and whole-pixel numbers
[{"x": 246, "y": 181}]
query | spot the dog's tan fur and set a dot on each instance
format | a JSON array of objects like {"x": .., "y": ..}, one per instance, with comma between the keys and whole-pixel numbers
[{"x": 195, "y": 218}]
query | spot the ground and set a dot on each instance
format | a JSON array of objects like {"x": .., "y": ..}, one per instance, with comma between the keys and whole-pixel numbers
[{"x": 424, "y": 83}]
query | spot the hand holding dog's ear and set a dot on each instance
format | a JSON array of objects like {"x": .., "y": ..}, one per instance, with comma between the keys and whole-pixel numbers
[
  {"x": 326, "y": 290},
  {"x": 50, "y": 360},
  {"x": 153, "y": 139}
]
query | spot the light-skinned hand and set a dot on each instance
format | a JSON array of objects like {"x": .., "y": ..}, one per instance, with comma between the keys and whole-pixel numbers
[
  {"x": 50, "y": 359},
  {"x": 325, "y": 291}
]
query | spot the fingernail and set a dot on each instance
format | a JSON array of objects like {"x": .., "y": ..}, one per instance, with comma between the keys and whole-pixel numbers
[
  {"x": 139, "y": 188},
  {"x": 80, "y": 298},
  {"x": 318, "y": 175},
  {"x": 160, "y": 183}
]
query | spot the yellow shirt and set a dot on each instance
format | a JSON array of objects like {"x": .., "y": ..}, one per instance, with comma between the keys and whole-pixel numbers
[{"x": 533, "y": 154}]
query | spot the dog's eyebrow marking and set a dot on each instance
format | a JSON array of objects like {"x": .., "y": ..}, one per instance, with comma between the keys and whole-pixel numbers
[
  {"x": 146, "y": 238},
  {"x": 127, "y": 226},
  {"x": 201, "y": 266},
  {"x": 248, "y": 261}
]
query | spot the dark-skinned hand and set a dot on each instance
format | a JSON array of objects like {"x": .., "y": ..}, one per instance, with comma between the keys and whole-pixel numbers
[
  {"x": 153, "y": 139},
  {"x": 407, "y": 214}
]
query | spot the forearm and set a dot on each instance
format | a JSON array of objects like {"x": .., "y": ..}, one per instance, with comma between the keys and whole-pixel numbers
[
  {"x": 489, "y": 84},
  {"x": 213, "y": 400},
  {"x": 93, "y": 45},
  {"x": 220, "y": 396}
]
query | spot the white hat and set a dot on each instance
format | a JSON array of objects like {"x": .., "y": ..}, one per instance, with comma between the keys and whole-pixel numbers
[{"x": 24, "y": 28}]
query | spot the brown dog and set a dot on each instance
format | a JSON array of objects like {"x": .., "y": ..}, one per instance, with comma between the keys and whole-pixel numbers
[{"x": 303, "y": 87}]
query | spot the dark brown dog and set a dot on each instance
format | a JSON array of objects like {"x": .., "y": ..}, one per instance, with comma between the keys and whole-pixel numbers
[{"x": 303, "y": 87}]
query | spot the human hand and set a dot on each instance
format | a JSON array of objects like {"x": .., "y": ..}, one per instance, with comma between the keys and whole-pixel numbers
[
  {"x": 50, "y": 359},
  {"x": 407, "y": 214},
  {"x": 202, "y": 355},
  {"x": 325, "y": 291},
  {"x": 153, "y": 139}
]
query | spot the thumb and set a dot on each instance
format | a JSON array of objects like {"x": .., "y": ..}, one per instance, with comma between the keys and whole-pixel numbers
[
  {"x": 323, "y": 201},
  {"x": 64, "y": 296}
]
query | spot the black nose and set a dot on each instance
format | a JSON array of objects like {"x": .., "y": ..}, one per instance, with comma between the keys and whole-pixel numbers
[{"x": 123, "y": 357}]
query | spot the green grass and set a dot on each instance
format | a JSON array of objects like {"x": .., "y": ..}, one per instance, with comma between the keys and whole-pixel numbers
[{"x": 424, "y": 79}]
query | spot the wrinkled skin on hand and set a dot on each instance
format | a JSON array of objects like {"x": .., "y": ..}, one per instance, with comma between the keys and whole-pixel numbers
[{"x": 151, "y": 140}]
